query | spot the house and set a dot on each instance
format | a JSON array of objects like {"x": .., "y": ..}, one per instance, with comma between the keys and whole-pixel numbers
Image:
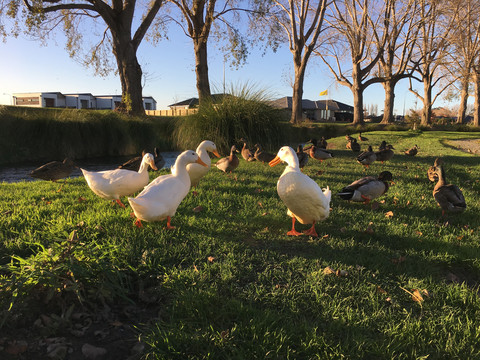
[
  {"x": 192, "y": 103},
  {"x": 319, "y": 110},
  {"x": 75, "y": 101}
]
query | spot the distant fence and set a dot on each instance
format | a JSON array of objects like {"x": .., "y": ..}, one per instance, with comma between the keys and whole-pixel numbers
[{"x": 174, "y": 112}]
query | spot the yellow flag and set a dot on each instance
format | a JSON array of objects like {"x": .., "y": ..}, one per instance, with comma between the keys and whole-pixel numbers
[{"x": 324, "y": 93}]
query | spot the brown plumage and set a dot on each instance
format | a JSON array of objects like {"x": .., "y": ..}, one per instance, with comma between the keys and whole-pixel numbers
[
  {"x": 319, "y": 154},
  {"x": 367, "y": 157},
  {"x": 229, "y": 163},
  {"x": 412, "y": 151},
  {"x": 263, "y": 156},
  {"x": 247, "y": 154},
  {"x": 302, "y": 157},
  {"x": 134, "y": 163},
  {"x": 432, "y": 171},
  {"x": 383, "y": 145},
  {"x": 385, "y": 154},
  {"x": 362, "y": 138},
  {"x": 354, "y": 145},
  {"x": 54, "y": 170},
  {"x": 448, "y": 196}
]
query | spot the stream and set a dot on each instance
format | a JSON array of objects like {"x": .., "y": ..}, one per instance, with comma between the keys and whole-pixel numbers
[{"x": 15, "y": 173}]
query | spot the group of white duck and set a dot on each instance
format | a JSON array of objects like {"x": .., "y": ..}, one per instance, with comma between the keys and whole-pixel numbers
[{"x": 303, "y": 197}]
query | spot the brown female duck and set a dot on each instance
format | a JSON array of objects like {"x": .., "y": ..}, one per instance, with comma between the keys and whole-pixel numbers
[
  {"x": 263, "y": 156},
  {"x": 367, "y": 157},
  {"x": 53, "y": 171},
  {"x": 229, "y": 163},
  {"x": 448, "y": 196}
]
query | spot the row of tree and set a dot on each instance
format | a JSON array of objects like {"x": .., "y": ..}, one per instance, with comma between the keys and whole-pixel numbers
[{"x": 362, "y": 42}]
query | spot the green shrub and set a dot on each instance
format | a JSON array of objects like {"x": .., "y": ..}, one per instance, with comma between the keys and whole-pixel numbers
[{"x": 245, "y": 112}]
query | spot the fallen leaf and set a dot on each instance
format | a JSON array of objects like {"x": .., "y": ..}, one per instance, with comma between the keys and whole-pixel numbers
[
  {"x": 408, "y": 203},
  {"x": 258, "y": 190},
  {"x": 195, "y": 268},
  {"x": 416, "y": 296},
  {"x": 260, "y": 204},
  {"x": 328, "y": 270},
  {"x": 380, "y": 290},
  {"x": 389, "y": 214},
  {"x": 265, "y": 213},
  {"x": 419, "y": 233},
  {"x": 224, "y": 334},
  {"x": 459, "y": 238},
  {"x": 198, "y": 209},
  {"x": 211, "y": 259},
  {"x": 382, "y": 201},
  {"x": 81, "y": 198},
  {"x": 325, "y": 236}
]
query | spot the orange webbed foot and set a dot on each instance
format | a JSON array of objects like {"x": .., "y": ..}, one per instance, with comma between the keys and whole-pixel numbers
[
  {"x": 120, "y": 203},
  {"x": 169, "y": 227},
  {"x": 311, "y": 231},
  {"x": 294, "y": 233},
  {"x": 138, "y": 223},
  {"x": 367, "y": 200}
]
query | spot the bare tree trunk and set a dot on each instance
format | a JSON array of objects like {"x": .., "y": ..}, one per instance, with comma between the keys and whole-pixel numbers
[
  {"x": 462, "y": 109},
  {"x": 389, "y": 86},
  {"x": 297, "y": 108},
  {"x": 476, "y": 112},
  {"x": 130, "y": 74},
  {"x": 427, "y": 102},
  {"x": 357, "y": 106},
  {"x": 201, "y": 71}
]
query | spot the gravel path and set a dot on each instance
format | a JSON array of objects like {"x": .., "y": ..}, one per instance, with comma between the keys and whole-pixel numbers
[{"x": 467, "y": 145}]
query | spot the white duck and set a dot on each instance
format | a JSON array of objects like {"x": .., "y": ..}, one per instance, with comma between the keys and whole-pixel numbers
[
  {"x": 160, "y": 199},
  {"x": 303, "y": 197},
  {"x": 197, "y": 171},
  {"x": 113, "y": 184}
]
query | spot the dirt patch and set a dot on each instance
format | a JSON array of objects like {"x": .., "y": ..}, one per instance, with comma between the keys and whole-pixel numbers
[{"x": 471, "y": 146}]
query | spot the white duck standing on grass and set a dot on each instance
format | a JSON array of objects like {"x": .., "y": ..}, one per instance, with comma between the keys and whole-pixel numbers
[
  {"x": 305, "y": 201},
  {"x": 197, "y": 171},
  {"x": 161, "y": 198},
  {"x": 113, "y": 184}
]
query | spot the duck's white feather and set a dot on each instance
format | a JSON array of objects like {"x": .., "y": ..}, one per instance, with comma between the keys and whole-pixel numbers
[
  {"x": 197, "y": 171},
  {"x": 163, "y": 195},
  {"x": 303, "y": 197},
  {"x": 113, "y": 184}
]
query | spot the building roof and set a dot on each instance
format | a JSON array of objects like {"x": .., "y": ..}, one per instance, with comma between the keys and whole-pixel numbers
[
  {"x": 193, "y": 102},
  {"x": 286, "y": 103}
]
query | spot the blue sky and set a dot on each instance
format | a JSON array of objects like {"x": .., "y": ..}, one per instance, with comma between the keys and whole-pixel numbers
[{"x": 26, "y": 66}]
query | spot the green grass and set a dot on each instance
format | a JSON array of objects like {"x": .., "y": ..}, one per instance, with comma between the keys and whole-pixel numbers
[{"x": 264, "y": 295}]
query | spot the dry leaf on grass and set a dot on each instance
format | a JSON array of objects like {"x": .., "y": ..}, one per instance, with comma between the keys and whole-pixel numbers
[
  {"x": 211, "y": 259},
  {"x": 325, "y": 236},
  {"x": 328, "y": 270},
  {"x": 198, "y": 209},
  {"x": 416, "y": 296},
  {"x": 341, "y": 273},
  {"x": 389, "y": 214},
  {"x": 380, "y": 290}
]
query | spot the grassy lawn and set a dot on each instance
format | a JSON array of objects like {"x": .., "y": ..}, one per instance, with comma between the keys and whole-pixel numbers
[{"x": 389, "y": 280}]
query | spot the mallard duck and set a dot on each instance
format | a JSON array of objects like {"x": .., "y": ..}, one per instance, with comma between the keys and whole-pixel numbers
[
  {"x": 362, "y": 138},
  {"x": 247, "y": 154},
  {"x": 448, "y": 196},
  {"x": 412, "y": 151},
  {"x": 366, "y": 189},
  {"x": 322, "y": 143},
  {"x": 302, "y": 156},
  {"x": 134, "y": 163},
  {"x": 432, "y": 171},
  {"x": 354, "y": 145},
  {"x": 320, "y": 154},
  {"x": 263, "y": 156},
  {"x": 54, "y": 170},
  {"x": 348, "y": 137},
  {"x": 303, "y": 197},
  {"x": 197, "y": 171},
  {"x": 229, "y": 163},
  {"x": 113, "y": 184},
  {"x": 367, "y": 158},
  {"x": 161, "y": 198},
  {"x": 383, "y": 145},
  {"x": 385, "y": 154}
]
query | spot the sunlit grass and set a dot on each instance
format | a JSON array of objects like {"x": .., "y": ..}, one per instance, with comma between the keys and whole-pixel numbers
[{"x": 229, "y": 283}]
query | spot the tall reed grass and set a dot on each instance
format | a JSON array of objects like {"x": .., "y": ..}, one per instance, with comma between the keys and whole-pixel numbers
[
  {"x": 53, "y": 134},
  {"x": 243, "y": 112}
]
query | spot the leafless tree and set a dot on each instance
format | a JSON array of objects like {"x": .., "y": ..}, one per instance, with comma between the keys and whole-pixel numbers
[
  {"x": 197, "y": 19},
  {"x": 430, "y": 53},
  {"x": 354, "y": 31},
  {"x": 300, "y": 22},
  {"x": 117, "y": 16},
  {"x": 400, "y": 31}
]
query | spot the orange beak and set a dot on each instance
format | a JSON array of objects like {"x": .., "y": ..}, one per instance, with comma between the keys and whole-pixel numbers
[
  {"x": 216, "y": 153},
  {"x": 200, "y": 161},
  {"x": 275, "y": 161},
  {"x": 153, "y": 166}
]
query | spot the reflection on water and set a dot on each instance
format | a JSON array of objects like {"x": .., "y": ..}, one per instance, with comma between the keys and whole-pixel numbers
[{"x": 14, "y": 173}]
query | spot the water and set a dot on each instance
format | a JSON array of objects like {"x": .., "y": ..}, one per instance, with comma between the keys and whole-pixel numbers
[{"x": 15, "y": 173}]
